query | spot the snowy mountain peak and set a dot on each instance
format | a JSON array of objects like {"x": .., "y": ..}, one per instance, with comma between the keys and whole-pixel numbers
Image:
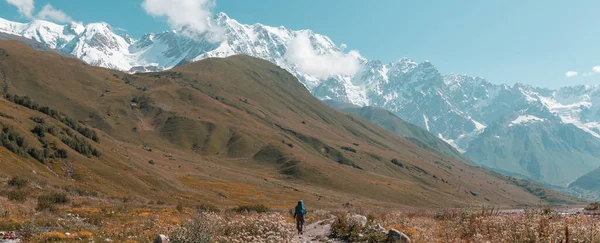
[
  {"x": 128, "y": 38},
  {"x": 222, "y": 15},
  {"x": 404, "y": 65}
]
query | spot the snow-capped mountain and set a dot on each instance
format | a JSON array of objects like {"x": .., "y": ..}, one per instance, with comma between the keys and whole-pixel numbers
[
  {"x": 513, "y": 129},
  {"x": 97, "y": 44}
]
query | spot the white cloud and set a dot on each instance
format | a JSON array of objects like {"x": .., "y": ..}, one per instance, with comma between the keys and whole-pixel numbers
[
  {"x": 25, "y": 7},
  {"x": 50, "y": 13},
  {"x": 301, "y": 53},
  {"x": 192, "y": 16},
  {"x": 120, "y": 29},
  {"x": 571, "y": 74},
  {"x": 596, "y": 69}
]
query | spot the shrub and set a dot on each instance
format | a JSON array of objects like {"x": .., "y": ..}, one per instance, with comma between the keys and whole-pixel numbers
[
  {"x": 17, "y": 195},
  {"x": 343, "y": 228},
  {"x": 80, "y": 145},
  {"x": 49, "y": 200},
  {"x": 13, "y": 141},
  {"x": 258, "y": 208},
  {"x": 27, "y": 102},
  {"x": 37, "y": 154},
  {"x": 18, "y": 182},
  {"x": 592, "y": 206},
  {"x": 143, "y": 101},
  {"x": 207, "y": 208},
  {"x": 61, "y": 153},
  {"x": 2, "y": 114},
  {"x": 349, "y": 149},
  {"x": 29, "y": 229},
  {"x": 396, "y": 162},
  {"x": 37, "y": 119},
  {"x": 197, "y": 230}
]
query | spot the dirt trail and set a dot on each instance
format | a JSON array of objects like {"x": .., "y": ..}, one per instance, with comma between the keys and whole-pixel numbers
[{"x": 316, "y": 232}]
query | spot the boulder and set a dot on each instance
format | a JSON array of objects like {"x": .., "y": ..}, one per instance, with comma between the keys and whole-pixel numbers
[
  {"x": 397, "y": 236},
  {"x": 358, "y": 219},
  {"x": 161, "y": 239}
]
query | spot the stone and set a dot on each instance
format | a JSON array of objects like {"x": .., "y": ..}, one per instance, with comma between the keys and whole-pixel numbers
[
  {"x": 161, "y": 239},
  {"x": 397, "y": 236},
  {"x": 358, "y": 219}
]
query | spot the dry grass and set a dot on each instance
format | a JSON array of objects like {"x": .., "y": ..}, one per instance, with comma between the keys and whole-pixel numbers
[
  {"x": 229, "y": 227},
  {"x": 100, "y": 219},
  {"x": 133, "y": 220},
  {"x": 488, "y": 225}
]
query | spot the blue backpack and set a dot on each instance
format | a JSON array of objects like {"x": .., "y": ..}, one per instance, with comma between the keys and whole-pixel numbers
[{"x": 300, "y": 209}]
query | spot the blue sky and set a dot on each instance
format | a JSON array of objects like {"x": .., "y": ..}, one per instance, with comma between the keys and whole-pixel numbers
[{"x": 508, "y": 41}]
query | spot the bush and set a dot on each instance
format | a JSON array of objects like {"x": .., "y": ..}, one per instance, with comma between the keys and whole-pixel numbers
[
  {"x": 258, "y": 208},
  {"x": 48, "y": 201},
  {"x": 39, "y": 130},
  {"x": 37, "y": 119},
  {"x": 396, "y": 162},
  {"x": 18, "y": 182},
  {"x": 80, "y": 145},
  {"x": 29, "y": 229},
  {"x": 27, "y": 102},
  {"x": 37, "y": 154},
  {"x": 592, "y": 206},
  {"x": 349, "y": 149},
  {"x": 2, "y": 114},
  {"x": 143, "y": 101},
  {"x": 197, "y": 230},
  {"x": 17, "y": 195},
  {"x": 61, "y": 153},
  {"x": 13, "y": 141},
  {"x": 207, "y": 208},
  {"x": 343, "y": 228}
]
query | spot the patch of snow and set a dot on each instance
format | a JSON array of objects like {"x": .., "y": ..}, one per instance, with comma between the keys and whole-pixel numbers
[
  {"x": 426, "y": 122},
  {"x": 452, "y": 143},
  {"x": 525, "y": 119},
  {"x": 384, "y": 73},
  {"x": 571, "y": 114},
  {"x": 478, "y": 126}
]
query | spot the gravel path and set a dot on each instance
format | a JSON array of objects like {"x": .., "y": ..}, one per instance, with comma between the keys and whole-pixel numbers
[{"x": 316, "y": 232}]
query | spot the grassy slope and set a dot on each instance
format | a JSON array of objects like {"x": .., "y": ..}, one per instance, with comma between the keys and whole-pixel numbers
[{"x": 231, "y": 131}]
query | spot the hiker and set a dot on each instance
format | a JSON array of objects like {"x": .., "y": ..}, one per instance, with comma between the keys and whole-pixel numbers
[{"x": 299, "y": 215}]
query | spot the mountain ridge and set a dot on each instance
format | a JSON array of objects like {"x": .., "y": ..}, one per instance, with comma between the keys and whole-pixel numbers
[{"x": 232, "y": 131}]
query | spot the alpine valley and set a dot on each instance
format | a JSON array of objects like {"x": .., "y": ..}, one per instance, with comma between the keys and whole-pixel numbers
[{"x": 548, "y": 136}]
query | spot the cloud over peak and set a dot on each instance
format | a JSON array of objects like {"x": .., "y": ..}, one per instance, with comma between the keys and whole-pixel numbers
[
  {"x": 191, "y": 16},
  {"x": 26, "y": 9},
  {"x": 50, "y": 13},
  {"x": 301, "y": 53}
]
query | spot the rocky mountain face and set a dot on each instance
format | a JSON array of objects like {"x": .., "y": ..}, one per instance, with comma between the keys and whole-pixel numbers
[
  {"x": 393, "y": 123},
  {"x": 549, "y": 136}
]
